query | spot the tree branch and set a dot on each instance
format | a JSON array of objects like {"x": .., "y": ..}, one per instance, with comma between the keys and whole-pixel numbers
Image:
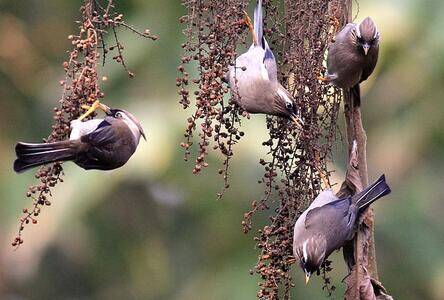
[{"x": 361, "y": 283}]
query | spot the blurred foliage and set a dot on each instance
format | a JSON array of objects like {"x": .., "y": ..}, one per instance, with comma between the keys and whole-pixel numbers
[{"x": 152, "y": 230}]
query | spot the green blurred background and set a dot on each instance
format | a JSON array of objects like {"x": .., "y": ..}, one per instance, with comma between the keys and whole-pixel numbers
[{"x": 152, "y": 230}]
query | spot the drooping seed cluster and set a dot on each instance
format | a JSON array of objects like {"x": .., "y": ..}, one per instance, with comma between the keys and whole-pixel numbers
[
  {"x": 299, "y": 33},
  {"x": 80, "y": 87},
  {"x": 213, "y": 29},
  {"x": 297, "y": 165}
]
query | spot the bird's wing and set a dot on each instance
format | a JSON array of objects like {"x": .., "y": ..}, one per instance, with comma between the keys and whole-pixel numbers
[
  {"x": 103, "y": 134},
  {"x": 369, "y": 67},
  {"x": 269, "y": 62},
  {"x": 109, "y": 146},
  {"x": 338, "y": 217},
  {"x": 331, "y": 213}
]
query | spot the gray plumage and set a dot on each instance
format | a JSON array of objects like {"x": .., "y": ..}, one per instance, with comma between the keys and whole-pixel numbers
[
  {"x": 253, "y": 79},
  {"x": 102, "y": 144},
  {"x": 329, "y": 222},
  {"x": 353, "y": 55}
]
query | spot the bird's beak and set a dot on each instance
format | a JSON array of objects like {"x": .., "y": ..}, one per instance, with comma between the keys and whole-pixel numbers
[
  {"x": 105, "y": 108},
  {"x": 297, "y": 120},
  {"x": 366, "y": 47},
  {"x": 307, "y": 277}
]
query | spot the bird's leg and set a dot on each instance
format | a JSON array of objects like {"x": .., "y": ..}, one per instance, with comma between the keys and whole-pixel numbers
[
  {"x": 320, "y": 171},
  {"x": 323, "y": 78},
  {"x": 249, "y": 23},
  {"x": 93, "y": 108},
  {"x": 291, "y": 260},
  {"x": 335, "y": 23},
  {"x": 323, "y": 178},
  {"x": 90, "y": 109}
]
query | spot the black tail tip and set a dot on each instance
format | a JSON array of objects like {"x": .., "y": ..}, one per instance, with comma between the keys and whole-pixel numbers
[
  {"x": 381, "y": 179},
  {"x": 19, "y": 147},
  {"x": 19, "y": 166}
]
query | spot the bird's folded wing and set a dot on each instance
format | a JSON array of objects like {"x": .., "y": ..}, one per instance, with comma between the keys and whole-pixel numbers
[
  {"x": 368, "y": 68},
  {"x": 331, "y": 214},
  {"x": 269, "y": 62},
  {"x": 104, "y": 134}
]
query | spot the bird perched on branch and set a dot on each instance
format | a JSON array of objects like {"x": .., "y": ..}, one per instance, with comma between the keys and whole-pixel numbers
[
  {"x": 353, "y": 55},
  {"x": 102, "y": 144},
  {"x": 329, "y": 222},
  {"x": 253, "y": 79}
]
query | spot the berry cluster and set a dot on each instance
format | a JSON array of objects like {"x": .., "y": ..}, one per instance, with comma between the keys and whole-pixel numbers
[{"x": 214, "y": 29}]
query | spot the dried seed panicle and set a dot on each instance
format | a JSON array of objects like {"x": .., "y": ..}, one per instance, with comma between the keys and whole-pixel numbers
[
  {"x": 213, "y": 29},
  {"x": 296, "y": 165}
]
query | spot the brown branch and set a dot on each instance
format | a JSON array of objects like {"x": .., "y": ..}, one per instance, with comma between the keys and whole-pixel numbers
[{"x": 364, "y": 274}]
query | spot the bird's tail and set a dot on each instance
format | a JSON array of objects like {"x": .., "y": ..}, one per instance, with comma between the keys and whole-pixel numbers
[
  {"x": 372, "y": 193},
  {"x": 258, "y": 22},
  {"x": 32, "y": 155}
]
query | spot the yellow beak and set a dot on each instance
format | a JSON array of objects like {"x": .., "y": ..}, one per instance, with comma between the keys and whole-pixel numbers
[
  {"x": 105, "y": 108},
  {"x": 307, "y": 277}
]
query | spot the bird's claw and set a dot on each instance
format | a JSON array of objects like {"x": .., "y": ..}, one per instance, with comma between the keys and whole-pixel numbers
[
  {"x": 322, "y": 78},
  {"x": 335, "y": 23},
  {"x": 91, "y": 109},
  {"x": 322, "y": 175}
]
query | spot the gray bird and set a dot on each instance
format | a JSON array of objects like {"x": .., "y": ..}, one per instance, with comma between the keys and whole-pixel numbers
[
  {"x": 353, "y": 55},
  {"x": 102, "y": 144},
  {"x": 329, "y": 222},
  {"x": 253, "y": 79}
]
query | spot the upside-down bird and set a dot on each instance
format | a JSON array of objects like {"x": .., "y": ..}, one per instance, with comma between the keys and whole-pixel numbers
[
  {"x": 329, "y": 222},
  {"x": 253, "y": 78},
  {"x": 102, "y": 144}
]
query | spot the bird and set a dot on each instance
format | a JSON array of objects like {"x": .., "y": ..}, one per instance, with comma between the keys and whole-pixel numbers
[
  {"x": 101, "y": 144},
  {"x": 329, "y": 222},
  {"x": 353, "y": 55},
  {"x": 253, "y": 77}
]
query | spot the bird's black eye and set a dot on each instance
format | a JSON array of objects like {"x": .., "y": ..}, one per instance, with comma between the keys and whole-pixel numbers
[
  {"x": 360, "y": 40},
  {"x": 118, "y": 115},
  {"x": 289, "y": 105}
]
